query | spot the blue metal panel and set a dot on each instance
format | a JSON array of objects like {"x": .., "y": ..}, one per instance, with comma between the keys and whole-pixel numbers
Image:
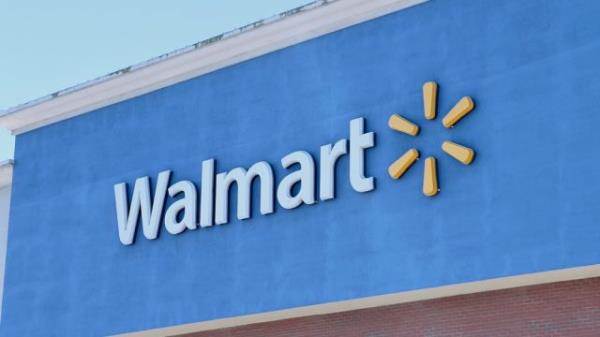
[{"x": 528, "y": 203}]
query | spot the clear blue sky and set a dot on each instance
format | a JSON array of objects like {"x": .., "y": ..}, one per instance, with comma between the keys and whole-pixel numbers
[{"x": 50, "y": 45}]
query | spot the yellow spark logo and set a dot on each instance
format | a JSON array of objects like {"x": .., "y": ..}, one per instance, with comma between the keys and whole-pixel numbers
[{"x": 459, "y": 152}]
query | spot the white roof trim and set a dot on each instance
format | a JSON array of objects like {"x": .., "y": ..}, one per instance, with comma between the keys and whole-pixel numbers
[
  {"x": 524, "y": 280},
  {"x": 6, "y": 173},
  {"x": 289, "y": 28}
]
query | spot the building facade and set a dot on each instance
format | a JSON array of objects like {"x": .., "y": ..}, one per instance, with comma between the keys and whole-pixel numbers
[{"x": 347, "y": 168}]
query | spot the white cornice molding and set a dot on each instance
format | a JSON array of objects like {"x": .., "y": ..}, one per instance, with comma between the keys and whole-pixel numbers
[
  {"x": 524, "y": 280},
  {"x": 289, "y": 28},
  {"x": 6, "y": 173}
]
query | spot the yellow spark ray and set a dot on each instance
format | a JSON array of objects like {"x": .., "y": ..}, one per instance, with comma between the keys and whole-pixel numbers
[
  {"x": 460, "y": 110},
  {"x": 400, "y": 166},
  {"x": 403, "y": 125},
  {"x": 461, "y": 153},
  {"x": 430, "y": 183},
  {"x": 430, "y": 99}
]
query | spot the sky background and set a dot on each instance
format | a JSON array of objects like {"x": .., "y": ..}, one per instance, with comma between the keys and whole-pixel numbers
[{"x": 51, "y": 45}]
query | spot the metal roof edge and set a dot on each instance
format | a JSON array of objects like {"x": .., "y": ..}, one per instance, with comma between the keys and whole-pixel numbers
[
  {"x": 288, "y": 28},
  {"x": 163, "y": 57}
]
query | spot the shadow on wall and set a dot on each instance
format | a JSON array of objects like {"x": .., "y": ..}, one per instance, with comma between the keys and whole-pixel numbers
[{"x": 7, "y": 145}]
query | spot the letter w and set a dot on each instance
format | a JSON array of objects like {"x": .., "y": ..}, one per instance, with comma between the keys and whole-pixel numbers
[{"x": 140, "y": 203}]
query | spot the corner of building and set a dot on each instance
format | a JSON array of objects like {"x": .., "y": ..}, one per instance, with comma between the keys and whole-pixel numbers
[{"x": 6, "y": 174}]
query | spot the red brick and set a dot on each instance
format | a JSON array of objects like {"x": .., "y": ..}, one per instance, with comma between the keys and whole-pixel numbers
[{"x": 567, "y": 309}]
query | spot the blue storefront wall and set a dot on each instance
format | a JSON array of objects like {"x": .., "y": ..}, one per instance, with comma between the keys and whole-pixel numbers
[{"x": 528, "y": 203}]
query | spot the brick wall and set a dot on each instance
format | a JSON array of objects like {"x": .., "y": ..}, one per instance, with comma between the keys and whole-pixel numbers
[{"x": 559, "y": 309}]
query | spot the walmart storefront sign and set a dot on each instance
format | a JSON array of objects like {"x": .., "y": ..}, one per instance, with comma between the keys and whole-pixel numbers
[
  {"x": 296, "y": 188},
  {"x": 213, "y": 202}
]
